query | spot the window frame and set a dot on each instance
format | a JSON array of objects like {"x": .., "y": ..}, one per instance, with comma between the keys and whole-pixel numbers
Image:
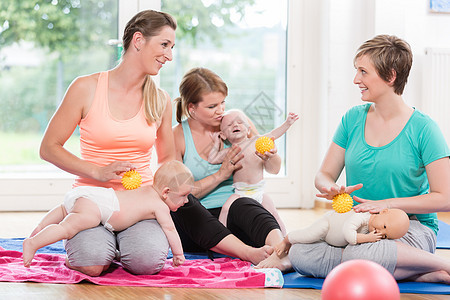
[{"x": 30, "y": 193}]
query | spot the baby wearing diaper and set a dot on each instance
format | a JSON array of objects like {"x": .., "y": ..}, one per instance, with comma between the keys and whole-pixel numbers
[
  {"x": 86, "y": 207},
  {"x": 248, "y": 180}
]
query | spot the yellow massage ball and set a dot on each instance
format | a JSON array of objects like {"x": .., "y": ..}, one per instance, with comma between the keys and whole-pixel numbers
[
  {"x": 131, "y": 180},
  {"x": 264, "y": 144},
  {"x": 342, "y": 203}
]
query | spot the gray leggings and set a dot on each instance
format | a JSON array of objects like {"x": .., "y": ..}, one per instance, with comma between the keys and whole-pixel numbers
[
  {"x": 318, "y": 259},
  {"x": 141, "y": 248}
]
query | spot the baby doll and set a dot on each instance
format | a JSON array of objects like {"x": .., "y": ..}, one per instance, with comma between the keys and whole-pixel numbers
[{"x": 341, "y": 229}]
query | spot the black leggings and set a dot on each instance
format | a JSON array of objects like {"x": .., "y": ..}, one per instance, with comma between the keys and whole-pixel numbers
[{"x": 200, "y": 229}]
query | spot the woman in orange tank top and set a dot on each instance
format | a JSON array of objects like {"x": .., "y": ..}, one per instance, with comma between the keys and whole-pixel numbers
[{"x": 122, "y": 115}]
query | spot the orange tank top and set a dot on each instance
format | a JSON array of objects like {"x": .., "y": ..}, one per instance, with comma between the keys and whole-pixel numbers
[{"x": 104, "y": 139}]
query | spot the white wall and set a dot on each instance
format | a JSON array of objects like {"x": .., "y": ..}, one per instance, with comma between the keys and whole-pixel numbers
[
  {"x": 421, "y": 28},
  {"x": 350, "y": 23}
]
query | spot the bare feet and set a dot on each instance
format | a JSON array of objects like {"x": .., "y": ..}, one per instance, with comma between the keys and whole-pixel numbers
[
  {"x": 436, "y": 276},
  {"x": 274, "y": 261},
  {"x": 256, "y": 255},
  {"x": 28, "y": 252}
]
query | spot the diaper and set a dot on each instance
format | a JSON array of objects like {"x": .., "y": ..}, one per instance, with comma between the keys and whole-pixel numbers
[
  {"x": 105, "y": 198},
  {"x": 254, "y": 191}
]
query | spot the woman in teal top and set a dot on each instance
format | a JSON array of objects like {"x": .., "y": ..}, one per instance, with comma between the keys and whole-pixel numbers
[
  {"x": 394, "y": 170},
  {"x": 251, "y": 230},
  {"x": 394, "y": 157}
]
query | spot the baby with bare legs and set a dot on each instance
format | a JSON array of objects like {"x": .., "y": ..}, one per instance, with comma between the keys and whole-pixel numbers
[
  {"x": 86, "y": 207},
  {"x": 248, "y": 180}
]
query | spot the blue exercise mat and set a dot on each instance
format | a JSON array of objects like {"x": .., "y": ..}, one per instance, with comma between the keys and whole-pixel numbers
[
  {"x": 443, "y": 236},
  {"x": 291, "y": 280},
  {"x": 15, "y": 244},
  {"x": 295, "y": 280}
]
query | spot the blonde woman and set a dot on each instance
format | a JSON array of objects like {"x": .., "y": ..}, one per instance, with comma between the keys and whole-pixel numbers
[{"x": 122, "y": 116}]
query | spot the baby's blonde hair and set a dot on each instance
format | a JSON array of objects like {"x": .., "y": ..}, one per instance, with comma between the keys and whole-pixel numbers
[
  {"x": 240, "y": 112},
  {"x": 173, "y": 174}
]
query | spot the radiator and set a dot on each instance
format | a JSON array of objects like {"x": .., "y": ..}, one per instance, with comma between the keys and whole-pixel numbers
[{"x": 436, "y": 88}]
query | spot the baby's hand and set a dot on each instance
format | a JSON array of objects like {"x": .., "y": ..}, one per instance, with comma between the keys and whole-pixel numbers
[
  {"x": 215, "y": 136},
  {"x": 178, "y": 259},
  {"x": 268, "y": 154},
  {"x": 291, "y": 118},
  {"x": 374, "y": 236}
]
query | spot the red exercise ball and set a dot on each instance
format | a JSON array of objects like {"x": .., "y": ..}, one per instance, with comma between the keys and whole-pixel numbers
[{"x": 360, "y": 280}]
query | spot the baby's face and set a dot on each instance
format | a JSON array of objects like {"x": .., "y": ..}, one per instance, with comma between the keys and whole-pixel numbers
[
  {"x": 382, "y": 224},
  {"x": 234, "y": 126},
  {"x": 178, "y": 198}
]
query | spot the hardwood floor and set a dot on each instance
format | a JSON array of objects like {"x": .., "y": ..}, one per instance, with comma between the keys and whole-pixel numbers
[{"x": 21, "y": 224}]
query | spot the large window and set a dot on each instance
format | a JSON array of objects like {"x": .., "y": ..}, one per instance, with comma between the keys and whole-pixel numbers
[
  {"x": 44, "y": 45},
  {"x": 244, "y": 42}
]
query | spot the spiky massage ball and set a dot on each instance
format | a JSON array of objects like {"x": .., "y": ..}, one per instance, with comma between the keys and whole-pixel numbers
[
  {"x": 264, "y": 144},
  {"x": 131, "y": 180},
  {"x": 342, "y": 203}
]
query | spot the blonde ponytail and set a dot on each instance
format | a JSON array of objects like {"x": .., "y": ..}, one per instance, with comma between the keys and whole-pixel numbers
[{"x": 154, "y": 101}]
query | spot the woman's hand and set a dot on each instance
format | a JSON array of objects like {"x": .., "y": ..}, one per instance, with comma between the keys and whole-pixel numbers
[
  {"x": 329, "y": 193},
  {"x": 231, "y": 162},
  {"x": 370, "y": 205},
  {"x": 113, "y": 170}
]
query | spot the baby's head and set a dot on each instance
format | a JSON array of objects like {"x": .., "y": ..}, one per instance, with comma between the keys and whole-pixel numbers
[
  {"x": 393, "y": 223},
  {"x": 174, "y": 182},
  {"x": 234, "y": 126}
]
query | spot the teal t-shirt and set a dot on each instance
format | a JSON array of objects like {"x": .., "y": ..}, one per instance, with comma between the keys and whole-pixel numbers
[
  {"x": 201, "y": 168},
  {"x": 397, "y": 169}
]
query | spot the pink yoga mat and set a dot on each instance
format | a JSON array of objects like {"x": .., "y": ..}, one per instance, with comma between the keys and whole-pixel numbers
[{"x": 202, "y": 273}]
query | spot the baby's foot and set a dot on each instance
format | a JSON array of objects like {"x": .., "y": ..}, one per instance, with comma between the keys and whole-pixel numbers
[
  {"x": 28, "y": 252},
  {"x": 274, "y": 261}
]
